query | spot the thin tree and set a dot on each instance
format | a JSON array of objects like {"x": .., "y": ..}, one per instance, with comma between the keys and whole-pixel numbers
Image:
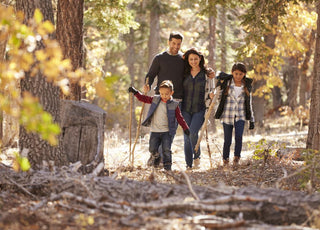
[{"x": 313, "y": 140}]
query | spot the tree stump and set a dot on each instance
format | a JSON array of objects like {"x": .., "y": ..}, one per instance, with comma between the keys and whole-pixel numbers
[{"x": 82, "y": 127}]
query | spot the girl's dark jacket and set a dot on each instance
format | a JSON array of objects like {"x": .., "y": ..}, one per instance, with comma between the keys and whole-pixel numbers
[{"x": 224, "y": 80}]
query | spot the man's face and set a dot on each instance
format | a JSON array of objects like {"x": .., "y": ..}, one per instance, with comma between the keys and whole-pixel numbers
[{"x": 174, "y": 46}]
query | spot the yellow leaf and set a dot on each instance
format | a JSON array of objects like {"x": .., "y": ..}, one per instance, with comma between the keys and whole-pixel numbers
[{"x": 38, "y": 17}]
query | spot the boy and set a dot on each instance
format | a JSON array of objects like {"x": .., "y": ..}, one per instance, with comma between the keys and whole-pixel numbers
[{"x": 163, "y": 114}]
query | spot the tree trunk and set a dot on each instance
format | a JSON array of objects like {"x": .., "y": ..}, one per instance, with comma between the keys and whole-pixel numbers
[
  {"x": 212, "y": 42},
  {"x": 154, "y": 37},
  {"x": 70, "y": 37},
  {"x": 259, "y": 103},
  {"x": 223, "y": 21},
  {"x": 3, "y": 44},
  {"x": 292, "y": 76},
  {"x": 313, "y": 140},
  {"x": 48, "y": 94},
  {"x": 304, "y": 69}
]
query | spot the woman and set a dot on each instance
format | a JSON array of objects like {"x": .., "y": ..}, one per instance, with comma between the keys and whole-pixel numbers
[{"x": 196, "y": 87}]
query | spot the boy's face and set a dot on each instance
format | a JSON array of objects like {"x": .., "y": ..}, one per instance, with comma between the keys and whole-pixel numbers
[
  {"x": 238, "y": 75},
  {"x": 165, "y": 94},
  {"x": 174, "y": 45}
]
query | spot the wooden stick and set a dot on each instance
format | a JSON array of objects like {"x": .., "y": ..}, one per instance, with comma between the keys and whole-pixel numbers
[
  {"x": 207, "y": 115},
  {"x": 208, "y": 147},
  {"x": 138, "y": 129},
  {"x": 130, "y": 124}
]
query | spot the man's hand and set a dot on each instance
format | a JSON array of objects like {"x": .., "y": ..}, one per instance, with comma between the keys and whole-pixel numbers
[
  {"x": 132, "y": 90},
  {"x": 146, "y": 88},
  {"x": 211, "y": 73}
]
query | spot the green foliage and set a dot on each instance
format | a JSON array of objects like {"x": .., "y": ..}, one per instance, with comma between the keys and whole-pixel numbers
[
  {"x": 24, "y": 56},
  {"x": 263, "y": 149},
  {"x": 310, "y": 176},
  {"x": 20, "y": 163},
  {"x": 113, "y": 17}
]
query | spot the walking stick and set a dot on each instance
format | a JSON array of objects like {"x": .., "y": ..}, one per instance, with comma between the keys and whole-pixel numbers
[
  {"x": 138, "y": 129},
  {"x": 206, "y": 118},
  {"x": 208, "y": 146},
  {"x": 130, "y": 124}
]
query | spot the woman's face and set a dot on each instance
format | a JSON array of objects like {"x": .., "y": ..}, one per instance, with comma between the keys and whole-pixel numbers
[{"x": 194, "y": 60}]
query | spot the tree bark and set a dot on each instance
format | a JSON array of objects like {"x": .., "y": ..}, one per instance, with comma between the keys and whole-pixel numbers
[
  {"x": 212, "y": 42},
  {"x": 48, "y": 94},
  {"x": 70, "y": 37},
  {"x": 313, "y": 140},
  {"x": 304, "y": 68},
  {"x": 223, "y": 21}
]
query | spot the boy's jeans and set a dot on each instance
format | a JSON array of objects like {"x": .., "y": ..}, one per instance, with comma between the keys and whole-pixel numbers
[
  {"x": 164, "y": 140},
  {"x": 239, "y": 127},
  {"x": 194, "y": 122}
]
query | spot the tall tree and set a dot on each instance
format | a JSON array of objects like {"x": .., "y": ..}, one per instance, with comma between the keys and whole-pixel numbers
[
  {"x": 70, "y": 37},
  {"x": 313, "y": 140},
  {"x": 48, "y": 94}
]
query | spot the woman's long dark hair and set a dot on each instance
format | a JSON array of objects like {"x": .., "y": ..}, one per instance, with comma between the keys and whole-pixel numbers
[{"x": 187, "y": 67}]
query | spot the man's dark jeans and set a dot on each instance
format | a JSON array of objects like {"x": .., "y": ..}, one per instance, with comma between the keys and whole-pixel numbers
[{"x": 164, "y": 140}]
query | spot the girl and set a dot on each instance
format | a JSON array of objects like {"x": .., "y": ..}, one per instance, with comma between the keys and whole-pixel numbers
[{"x": 234, "y": 108}]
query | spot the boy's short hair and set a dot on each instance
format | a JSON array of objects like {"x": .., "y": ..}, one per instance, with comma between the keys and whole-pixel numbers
[
  {"x": 166, "y": 84},
  {"x": 239, "y": 66},
  {"x": 175, "y": 35}
]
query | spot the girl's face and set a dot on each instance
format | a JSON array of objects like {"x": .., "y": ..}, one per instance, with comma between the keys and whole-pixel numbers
[
  {"x": 237, "y": 76},
  {"x": 165, "y": 94},
  {"x": 193, "y": 60}
]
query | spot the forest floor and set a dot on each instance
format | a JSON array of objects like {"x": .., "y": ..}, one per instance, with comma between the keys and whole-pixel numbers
[{"x": 140, "y": 197}]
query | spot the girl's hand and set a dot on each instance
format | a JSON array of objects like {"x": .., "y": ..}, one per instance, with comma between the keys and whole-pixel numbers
[{"x": 211, "y": 95}]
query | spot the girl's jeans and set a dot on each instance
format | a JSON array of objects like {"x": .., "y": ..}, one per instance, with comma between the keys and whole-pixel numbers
[
  {"x": 239, "y": 127},
  {"x": 194, "y": 122},
  {"x": 164, "y": 140}
]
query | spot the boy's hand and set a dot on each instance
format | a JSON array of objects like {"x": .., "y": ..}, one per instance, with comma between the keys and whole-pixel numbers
[
  {"x": 251, "y": 126},
  {"x": 187, "y": 132},
  {"x": 132, "y": 90}
]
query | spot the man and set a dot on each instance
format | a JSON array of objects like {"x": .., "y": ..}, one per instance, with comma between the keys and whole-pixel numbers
[{"x": 169, "y": 65}]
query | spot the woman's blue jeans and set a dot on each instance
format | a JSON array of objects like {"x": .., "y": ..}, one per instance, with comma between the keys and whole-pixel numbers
[
  {"x": 194, "y": 122},
  {"x": 164, "y": 140},
  {"x": 239, "y": 127}
]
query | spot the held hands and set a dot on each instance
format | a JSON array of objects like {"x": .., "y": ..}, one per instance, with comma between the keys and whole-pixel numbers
[
  {"x": 187, "y": 132},
  {"x": 146, "y": 88},
  {"x": 251, "y": 126},
  {"x": 132, "y": 90}
]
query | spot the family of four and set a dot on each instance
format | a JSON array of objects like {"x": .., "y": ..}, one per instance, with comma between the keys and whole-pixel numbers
[{"x": 183, "y": 94}]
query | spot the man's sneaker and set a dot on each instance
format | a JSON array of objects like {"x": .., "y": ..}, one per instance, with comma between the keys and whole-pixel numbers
[
  {"x": 225, "y": 162},
  {"x": 196, "y": 163},
  {"x": 188, "y": 168}
]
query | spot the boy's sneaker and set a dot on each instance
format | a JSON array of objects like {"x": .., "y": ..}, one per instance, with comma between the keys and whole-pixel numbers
[
  {"x": 154, "y": 160},
  {"x": 196, "y": 163}
]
